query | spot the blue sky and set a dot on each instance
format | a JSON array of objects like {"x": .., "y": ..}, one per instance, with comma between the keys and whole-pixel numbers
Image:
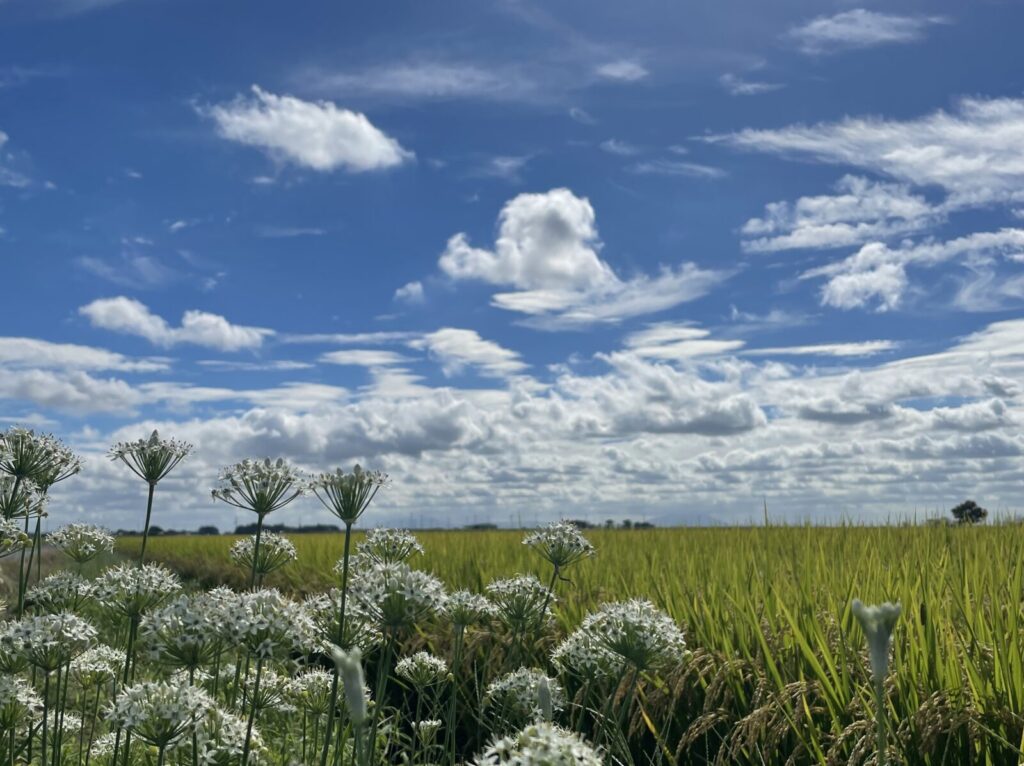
[{"x": 577, "y": 258}]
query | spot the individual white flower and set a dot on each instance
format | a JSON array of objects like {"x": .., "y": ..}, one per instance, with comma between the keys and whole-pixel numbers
[
  {"x": 151, "y": 459},
  {"x": 347, "y": 495},
  {"x": 268, "y": 625},
  {"x": 159, "y": 713},
  {"x": 98, "y": 665},
  {"x": 130, "y": 590},
  {"x": 52, "y": 640},
  {"x": 324, "y": 609},
  {"x": 541, "y": 744},
  {"x": 877, "y": 622},
  {"x": 386, "y": 546},
  {"x": 311, "y": 691},
  {"x": 622, "y": 635},
  {"x": 422, "y": 669},
  {"x": 560, "y": 543},
  {"x": 522, "y": 602},
  {"x": 187, "y": 632},
  {"x": 12, "y": 537},
  {"x": 62, "y": 591},
  {"x": 82, "y": 542},
  {"x": 465, "y": 608},
  {"x": 19, "y": 703},
  {"x": 516, "y": 696},
  {"x": 260, "y": 486},
  {"x": 275, "y": 551},
  {"x": 394, "y": 596}
]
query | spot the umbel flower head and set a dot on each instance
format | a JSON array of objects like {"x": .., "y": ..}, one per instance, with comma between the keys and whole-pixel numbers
[
  {"x": 311, "y": 691},
  {"x": 560, "y": 543},
  {"x": 422, "y": 669},
  {"x": 465, "y": 609},
  {"x": 20, "y": 499},
  {"x": 526, "y": 694},
  {"x": 188, "y": 632},
  {"x": 324, "y": 610},
  {"x": 622, "y": 636},
  {"x": 19, "y": 704},
  {"x": 151, "y": 459},
  {"x": 159, "y": 713},
  {"x": 386, "y": 546},
  {"x": 63, "y": 591},
  {"x": 268, "y": 624},
  {"x": 259, "y": 486},
  {"x": 877, "y": 622},
  {"x": 129, "y": 590},
  {"x": 522, "y": 602},
  {"x": 40, "y": 458},
  {"x": 275, "y": 551},
  {"x": 82, "y": 542},
  {"x": 541, "y": 744},
  {"x": 347, "y": 495},
  {"x": 220, "y": 740},
  {"x": 52, "y": 640},
  {"x": 12, "y": 537},
  {"x": 98, "y": 665},
  {"x": 394, "y": 596}
]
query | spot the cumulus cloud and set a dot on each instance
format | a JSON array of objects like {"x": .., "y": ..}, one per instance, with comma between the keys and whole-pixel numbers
[
  {"x": 132, "y": 317},
  {"x": 411, "y": 292},
  {"x": 312, "y": 134},
  {"x": 547, "y": 247},
  {"x": 459, "y": 349},
  {"x": 860, "y": 210},
  {"x": 974, "y": 152},
  {"x": 622, "y": 70},
  {"x": 858, "y": 28}
]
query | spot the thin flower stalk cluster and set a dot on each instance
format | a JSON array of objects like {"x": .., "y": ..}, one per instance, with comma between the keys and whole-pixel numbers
[
  {"x": 275, "y": 551},
  {"x": 525, "y": 695},
  {"x": 81, "y": 542}
]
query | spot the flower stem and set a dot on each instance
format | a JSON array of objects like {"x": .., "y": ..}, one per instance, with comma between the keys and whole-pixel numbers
[
  {"x": 252, "y": 712},
  {"x": 145, "y": 530},
  {"x": 449, "y": 729},
  {"x": 882, "y": 734},
  {"x": 332, "y": 709}
]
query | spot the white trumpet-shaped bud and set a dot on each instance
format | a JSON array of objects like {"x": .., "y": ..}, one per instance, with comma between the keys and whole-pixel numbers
[
  {"x": 877, "y": 622},
  {"x": 351, "y": 668}
]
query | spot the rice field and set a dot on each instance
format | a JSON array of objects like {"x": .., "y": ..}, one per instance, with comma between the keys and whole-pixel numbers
[{"x": 778, "y": 671}]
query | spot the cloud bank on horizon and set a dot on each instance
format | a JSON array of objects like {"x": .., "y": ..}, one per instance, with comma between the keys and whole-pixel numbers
[{"x": 557, "y": 266}]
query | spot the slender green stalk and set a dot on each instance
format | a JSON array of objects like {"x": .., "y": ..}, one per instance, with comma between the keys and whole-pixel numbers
[
  {"x": 332, "y": 709},
  {"x": 145, "y": 530},
  {"x": 378, "y": 702},
  {"x": 881, "y": 727},
  {"x": 449, "y": 728},
  {"x": 256, "y": 550},
  {"x": 252, "y": 712}
]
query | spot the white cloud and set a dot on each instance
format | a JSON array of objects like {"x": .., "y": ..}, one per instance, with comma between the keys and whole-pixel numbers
[
  {"x": 32, "y": 352},
  {"x": 141, "y": 272},
  {"x": 668, "y": 341},
  {"x": 411, "y": 292},
  {"x": 735, "y": 85},
  {"x": 351, "y": 338},
  {"x": 621, "y": 148},
  {"x": 975, "y": 152},
  {"x": 317, "y": 135},
  {"x": 425, "y": 80},
  {"x": 861, "y": 210},
  {"x": 359, "y": 357},
  {"x": 582, "y": 116},
  {"x": 858, "y": 28},
  {"x": 8, "y": 175},
  {"x": 456, "y": 350},
  {"x": 879, "y": 272},
  {"x": 132, "y": 317},
  {"x": 547, "y": 247},
  {"x": 503, "y": 166},
  {"x": 677, "y": 168},
  {"x": 622, "y": 70},
  {"x": 857, "y": 348}
]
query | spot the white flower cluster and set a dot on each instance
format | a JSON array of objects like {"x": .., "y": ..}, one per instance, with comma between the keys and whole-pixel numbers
[
  {"x": 394, "y": 596},
  {"x": 560, "y": 543},
  {"x": 159, "y": 713},
  {"x": 98, "y": 665},
  {"x": 522, "y": 602},
  {"x": 259, "y": 486},
  {"x": 324, "y": 609},
  {"x": 311, "y": 691},
  {"x": 386, "y": 546},
  {"x": 62, "y": 591},
  {"x": 426, "y": 731},
  {"x": 275, "y": 551},
  {"x": 422, "y": 669},
  {"x": 517, "y": 696},
  {"x": 541, "y": 744},
  {"x": 465, "y": 608},
  {"x": 20, "y": 499},
  {"x": 130, "y": 590},
  {"x": 621, "y": 636},
  {"x": 81, "y": 542},
  {"x": 153, "y": 458},
  {"x": 268, "y": 624},
  {"x": 188, "y": 632},
  {"x": 19, "y": 703},
  {"x": 220, "y": 740},
  {"x": 12, "y": 537},
  {"x": 52, "y": 640},
  {"x": 347, "y": 495},
  {"x": 40, "y": 458}
]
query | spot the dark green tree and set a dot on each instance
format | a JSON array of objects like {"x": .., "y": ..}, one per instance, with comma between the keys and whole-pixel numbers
[{"x": 969, "y": 512}]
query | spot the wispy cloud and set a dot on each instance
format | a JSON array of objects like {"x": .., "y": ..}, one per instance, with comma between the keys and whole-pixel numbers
[{"x": 858, "y": 28}]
